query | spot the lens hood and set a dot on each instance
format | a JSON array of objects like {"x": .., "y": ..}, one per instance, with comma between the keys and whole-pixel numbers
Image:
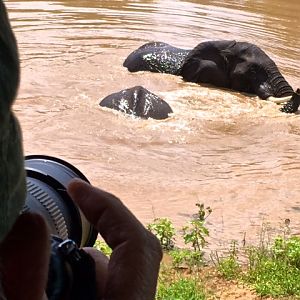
[{"x": 47, "y": 181}]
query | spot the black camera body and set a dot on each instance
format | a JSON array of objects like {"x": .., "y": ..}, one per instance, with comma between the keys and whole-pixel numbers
[{"x": 71, "y": 270}]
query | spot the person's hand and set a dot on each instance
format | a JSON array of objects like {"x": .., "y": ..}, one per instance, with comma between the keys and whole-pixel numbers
[
  {"x": 132, "y": 271},
  {"x": 24, "y": 259}
]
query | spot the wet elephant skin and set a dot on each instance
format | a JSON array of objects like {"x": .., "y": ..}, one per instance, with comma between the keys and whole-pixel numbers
[{"x": 139, "y": 102}]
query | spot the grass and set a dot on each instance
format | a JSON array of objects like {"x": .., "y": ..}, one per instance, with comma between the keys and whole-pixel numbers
[
  {"x": 180, "y": 289},
  {"x": 275, "y": 270},
  {"x": 274, "y": 278},
  {"x": 178, "y": 284},
  {"x": 271, "y": 269}
]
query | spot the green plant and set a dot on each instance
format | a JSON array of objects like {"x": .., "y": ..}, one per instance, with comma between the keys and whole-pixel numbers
[
  {"x": 287, "y": 249},
  {"x": 229, "y": 266},
  {"x": 203, "y": 212},
  {"x": 164, "y": 231},
  {"x": 274, "y": 278},
  {"x": 103, "y": 247},
  {"x": 186, "y": 258},
  {"x": 275, "y": 270},
  {"x": 196, "y": 232},
  {"x": 181, "y": 289}
]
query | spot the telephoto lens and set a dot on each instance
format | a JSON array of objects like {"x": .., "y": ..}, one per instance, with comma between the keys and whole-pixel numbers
[{"x": 47, "y": 181}]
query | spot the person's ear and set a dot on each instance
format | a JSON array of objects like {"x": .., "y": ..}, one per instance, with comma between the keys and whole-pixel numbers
[{"x": 24, "y": 258}]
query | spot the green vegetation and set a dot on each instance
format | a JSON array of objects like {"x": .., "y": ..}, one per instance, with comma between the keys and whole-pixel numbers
[
  {"x": 271, "y": 269},
  {"x": 103, "y": 247},
  {"x": 180, "y": 289},
  {"x": 275, "y": 271},
  {"x": 188, "y": 258},
  {"x": 228, "y": 266},
  {"x": 164, "y": 231},
  {"x": 196, "y": 232}
]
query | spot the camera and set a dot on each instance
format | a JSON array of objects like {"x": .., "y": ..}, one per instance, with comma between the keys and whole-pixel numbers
[{"x": 71, "y": 270}]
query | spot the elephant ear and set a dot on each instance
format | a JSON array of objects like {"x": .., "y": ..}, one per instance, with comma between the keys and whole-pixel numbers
[
  {"x": 230, "y": 45},
  {"x": 190, "y": 70},
  {"x": 228, "y": 52},
  {"x": 205, "y": 59}
]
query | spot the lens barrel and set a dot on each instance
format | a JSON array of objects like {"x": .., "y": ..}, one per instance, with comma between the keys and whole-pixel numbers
[{"x": 47, "y": 181}]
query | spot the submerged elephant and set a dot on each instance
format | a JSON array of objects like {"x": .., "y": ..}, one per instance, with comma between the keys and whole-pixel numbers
[
  {"x": 139, "y": 102},
  {"x": 239, "y": 66}
]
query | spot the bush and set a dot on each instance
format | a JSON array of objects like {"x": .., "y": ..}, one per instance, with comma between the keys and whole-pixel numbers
[
  {"x": 196, "y": 232},
  {"x": 287, "y": 249},
  {"x": 186, "y": 258},
  {"x": 275, "y": 271},
  {"x": 229, "y": 267},
  {"x": 164, "y": 230}
]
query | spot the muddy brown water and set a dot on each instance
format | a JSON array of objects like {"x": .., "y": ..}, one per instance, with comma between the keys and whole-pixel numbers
[{"x": 237, "y": 154}]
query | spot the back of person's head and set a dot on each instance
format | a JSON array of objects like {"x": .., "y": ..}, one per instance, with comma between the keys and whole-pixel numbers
[{"x": 12, "y": 174}]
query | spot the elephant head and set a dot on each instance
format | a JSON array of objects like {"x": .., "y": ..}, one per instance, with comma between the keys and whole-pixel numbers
[
  {"x": 251, "y": 70},
  {"x": 240, "y": 66},
  {"x": 139, "y": 102}
]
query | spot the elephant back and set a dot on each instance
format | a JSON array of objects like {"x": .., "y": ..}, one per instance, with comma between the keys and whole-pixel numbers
[{"x": 156, "y": 57}]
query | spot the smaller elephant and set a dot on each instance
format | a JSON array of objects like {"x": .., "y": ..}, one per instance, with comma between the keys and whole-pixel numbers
[{"x": 139, "y": 102}]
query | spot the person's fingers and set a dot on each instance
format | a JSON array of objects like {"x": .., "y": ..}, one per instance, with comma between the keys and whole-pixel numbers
[
  {"x": 101, "y": 207},
  {"x": 101, "y": 268},
  {"x": 25, "y": 258},
  {"x": 134, "y": 264}
]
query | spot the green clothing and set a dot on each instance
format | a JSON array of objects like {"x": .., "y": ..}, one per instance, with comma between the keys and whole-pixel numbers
[{"x": 12, "y": 173}]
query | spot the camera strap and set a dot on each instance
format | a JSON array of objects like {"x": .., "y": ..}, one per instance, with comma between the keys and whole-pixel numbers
[
  {"x": 83, "y": 286},
  {"x": 72, "y": 273}
]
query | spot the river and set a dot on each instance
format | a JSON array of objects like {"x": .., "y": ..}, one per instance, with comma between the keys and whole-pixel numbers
[{"x": 237, "y": 154}]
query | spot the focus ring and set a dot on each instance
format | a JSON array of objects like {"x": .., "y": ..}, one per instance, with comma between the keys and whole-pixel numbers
[{"x": 51, "y": 207}]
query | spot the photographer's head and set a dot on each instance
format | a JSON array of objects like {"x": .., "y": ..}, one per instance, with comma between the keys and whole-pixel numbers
[
  {"x": 24, "y": 249},
  {"x": 12, "y": 182},
  {"x": 10, "y": 67}
]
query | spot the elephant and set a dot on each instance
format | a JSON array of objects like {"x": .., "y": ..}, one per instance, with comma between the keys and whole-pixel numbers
[
  {"x": 239, "y": 66},
  {"x": 139, "y": 102}
]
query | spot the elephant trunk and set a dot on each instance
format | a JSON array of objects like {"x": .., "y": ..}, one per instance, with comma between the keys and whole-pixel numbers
[{"x": 279, "y": 86}]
